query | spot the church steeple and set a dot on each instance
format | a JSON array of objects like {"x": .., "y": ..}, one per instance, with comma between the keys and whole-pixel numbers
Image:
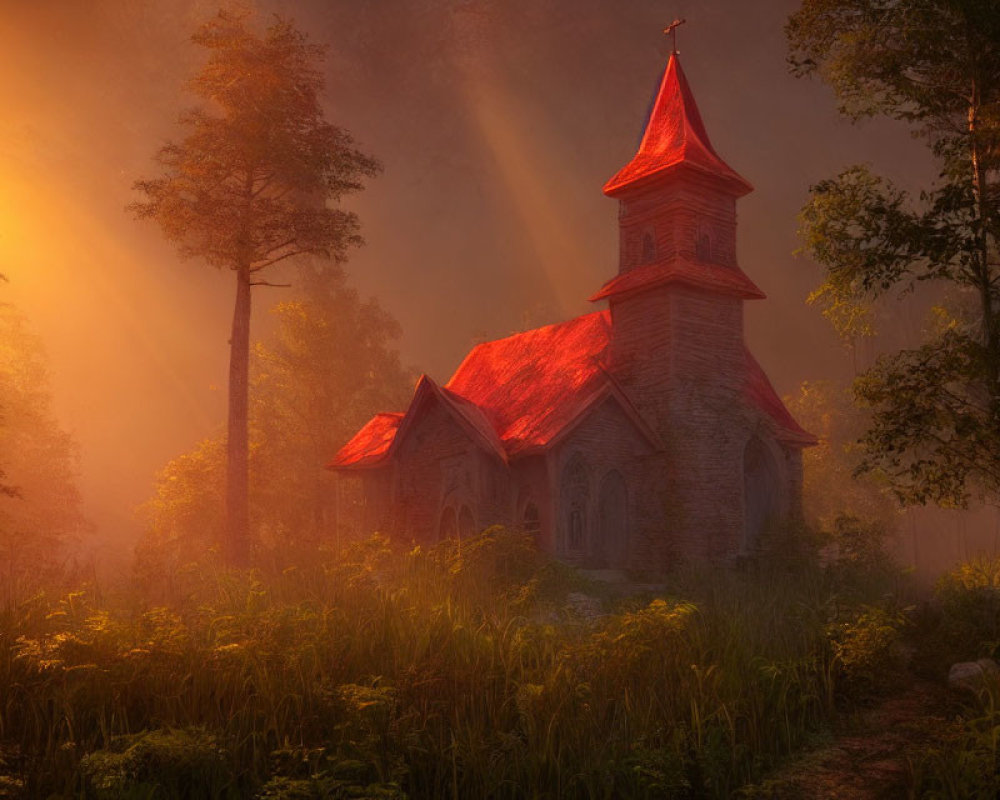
[
  {"x": 677, "y": 221},
  {"x": 677, "y": 301},
  {"x": 675, "y": 138}
]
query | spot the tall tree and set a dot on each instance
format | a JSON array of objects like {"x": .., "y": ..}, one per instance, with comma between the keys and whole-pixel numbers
[
  {"x": 252, "y": 184},
  {"x": 329, "y": 364},
  {"x": 934, "y": 64}
]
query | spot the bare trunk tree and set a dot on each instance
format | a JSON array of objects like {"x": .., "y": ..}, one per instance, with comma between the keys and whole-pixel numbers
[{"x": 237, "y": 441}]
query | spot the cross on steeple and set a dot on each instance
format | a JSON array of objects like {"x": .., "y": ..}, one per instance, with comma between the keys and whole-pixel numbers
[{"x": 672, "y": 30}]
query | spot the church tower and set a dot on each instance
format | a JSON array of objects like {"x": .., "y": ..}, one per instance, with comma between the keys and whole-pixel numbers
[
  {"x": 677, "y": 318},
  {"x": 677, "y": 301}
]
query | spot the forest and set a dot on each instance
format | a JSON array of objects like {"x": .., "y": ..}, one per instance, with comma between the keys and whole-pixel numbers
[{"x": 225, "y": 623}]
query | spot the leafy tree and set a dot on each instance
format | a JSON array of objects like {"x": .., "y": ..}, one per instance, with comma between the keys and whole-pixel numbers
[
  {"x": 250, "y": 185},
  {"x": 40, "y": 509},
  {"x": 830, "y": 490},
  {"x": 329, "y": 365},
  {"x": 934, "y": 64}
]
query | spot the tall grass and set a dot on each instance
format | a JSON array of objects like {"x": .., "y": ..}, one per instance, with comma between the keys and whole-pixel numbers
[{"x": 461, "y": 671}]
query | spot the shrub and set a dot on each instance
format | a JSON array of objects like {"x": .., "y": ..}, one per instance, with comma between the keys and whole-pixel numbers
[
  {"x": 868, "y": 649},
  {"x": 969, "y": 604},
  {"x": 176, "y": 763}
]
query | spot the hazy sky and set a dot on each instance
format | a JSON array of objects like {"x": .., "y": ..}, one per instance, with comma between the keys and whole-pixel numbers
[{"x": 497, "y": 123}]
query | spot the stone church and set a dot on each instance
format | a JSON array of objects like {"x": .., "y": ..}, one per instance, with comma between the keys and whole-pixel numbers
[{"x": 637, "y": 435}]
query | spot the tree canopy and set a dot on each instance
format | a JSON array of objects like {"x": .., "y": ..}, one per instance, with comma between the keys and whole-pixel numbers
[
  {"x": 254, "y": 181},
  {"x": 935, "y": 64}
]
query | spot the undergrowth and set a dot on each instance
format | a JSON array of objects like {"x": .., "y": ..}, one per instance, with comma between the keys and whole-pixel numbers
[{"x": 460, "y": 671}]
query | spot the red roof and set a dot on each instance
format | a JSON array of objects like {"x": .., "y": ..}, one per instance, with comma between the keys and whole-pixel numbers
[
  {"x": 530, "y": 385},
  {"x": 370, "y": 445},
  {"x": 674, "y": 136},
  {"x": 718, "y": 279},
  {"x": 761, "y": 392},
  {"x": 521, "y": 394}
]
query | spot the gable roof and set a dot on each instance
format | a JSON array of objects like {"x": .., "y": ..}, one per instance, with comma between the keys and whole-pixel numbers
[
  {"x": 530, "y": 385},
  {"x": 370, "y": 445},
  {"x": 523, "y": 394},
  {"x": 375, "y": 442},
  {"x": 760, "y": 391},
  {"x": 607, "y": 390},
  {"x": 675, "y": 136}
]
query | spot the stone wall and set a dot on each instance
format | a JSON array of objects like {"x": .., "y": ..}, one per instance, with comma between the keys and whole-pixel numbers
[
  {"x": 605, "y": 441},
  {"x": 439, "y": 464}
]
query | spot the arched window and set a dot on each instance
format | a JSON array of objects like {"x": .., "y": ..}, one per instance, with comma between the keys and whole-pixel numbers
[
  {"x": 466, "y": 523},
  {"x": 648, "y": 248},
  {"x": 762, "y": 494},
  {"x": 531, "y": 520},
  {"x": 574, "y": 499},
  {"x": 448, "y": 529},
  {"x": 703, "y": 247},
  {"x": 612, "y": 520}
]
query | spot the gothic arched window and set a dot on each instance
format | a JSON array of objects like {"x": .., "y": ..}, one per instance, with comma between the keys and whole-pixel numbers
[
  {"x": 762, "y": 492},
  {"x": 574, "y": 498},
  {"x": 703, "y": 247},
  {"x": 648, "y": 248}
]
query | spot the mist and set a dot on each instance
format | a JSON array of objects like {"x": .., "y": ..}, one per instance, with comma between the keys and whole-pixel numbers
[{"x": 497, "y": 125}]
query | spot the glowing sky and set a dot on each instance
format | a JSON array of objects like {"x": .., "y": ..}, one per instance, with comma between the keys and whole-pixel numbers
[{"x": 497, "y": 123}]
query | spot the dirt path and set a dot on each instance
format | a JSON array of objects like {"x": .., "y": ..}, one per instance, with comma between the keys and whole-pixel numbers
[{"x": 869, "y": 756}]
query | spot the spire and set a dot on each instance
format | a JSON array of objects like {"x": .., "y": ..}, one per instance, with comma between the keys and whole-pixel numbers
[{"x": 674, "y": 136}]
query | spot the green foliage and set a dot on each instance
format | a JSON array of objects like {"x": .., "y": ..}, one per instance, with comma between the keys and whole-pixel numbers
[
  {"x": 832, "y": 490},
  {"x": 40, "y": 505},
  {"x": 914, "y": 60},
  {"x": 935, "y": 408},
  {"x": 245, "y": 187},
  {"x": 176, "y": 763},
  {"x": 867, "y": 645},
  {"x": 967, "y": 762},
  {"x": 330, "y": 364},
  {"x": 458, "y": 670},
  {"x": 934, "y": 431},
  {"x": 968, "y": 610}
]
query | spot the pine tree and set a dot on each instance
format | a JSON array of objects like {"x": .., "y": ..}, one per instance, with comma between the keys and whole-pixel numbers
[{"x": 253, "y": 182}]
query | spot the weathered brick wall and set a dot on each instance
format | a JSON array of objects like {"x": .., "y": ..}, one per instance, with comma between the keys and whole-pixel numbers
[
  {"x": 642, "y": 347},
  {"x": 437, "y": 462},
  {"x": 605, "y": 441}
]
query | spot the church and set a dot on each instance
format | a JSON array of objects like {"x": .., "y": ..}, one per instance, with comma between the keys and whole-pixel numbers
[{"x": 639, "y": 435}]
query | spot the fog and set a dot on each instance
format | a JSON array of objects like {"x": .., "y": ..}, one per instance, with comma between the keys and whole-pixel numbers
[{"x": 497, "y": 124}]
